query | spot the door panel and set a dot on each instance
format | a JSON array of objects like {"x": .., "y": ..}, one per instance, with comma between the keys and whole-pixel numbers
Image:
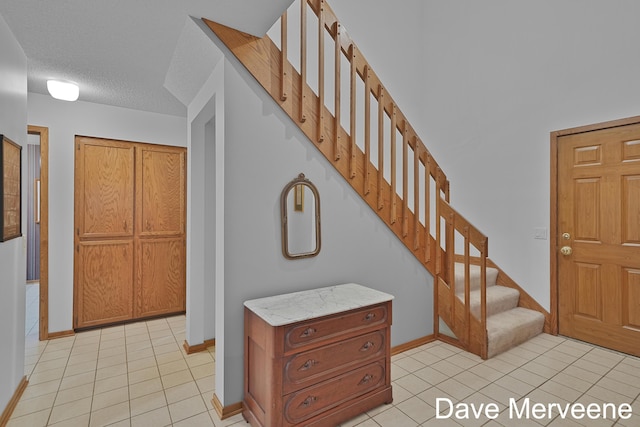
[
  {"x": 631, "y": 294},
  {"x": 587, "y": 290},
  {"x": 105, "y": 188},
  {"x": 599, "y": 220},
  {"x": 106, "y": 273},
  {"x": 162, "y": 187},
  {"x": 587, "y": 203},
  {"x": 161, "y": 276},
  {"x": 630, "y": 209}
]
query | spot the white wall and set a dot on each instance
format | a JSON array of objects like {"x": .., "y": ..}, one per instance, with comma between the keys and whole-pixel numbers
[
  {"x": 389, "y": 34},
  {"x": 65, "y": 120},
  {"x": 13, "y": 124},
  {"x": 484, "y": 83},
  {"x": 205, "y": 250},
  {"x": 264, "y": 150},
  {"x": 205, "y": 279},
  {"x": 499, "y": 77}
]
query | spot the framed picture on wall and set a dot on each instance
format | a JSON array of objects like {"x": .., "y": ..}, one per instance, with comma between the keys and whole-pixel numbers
[{"x": 11, "y": 185}]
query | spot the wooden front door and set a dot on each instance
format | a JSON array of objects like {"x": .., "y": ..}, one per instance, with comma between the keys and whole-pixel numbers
[{"x": 598, "y": 241}]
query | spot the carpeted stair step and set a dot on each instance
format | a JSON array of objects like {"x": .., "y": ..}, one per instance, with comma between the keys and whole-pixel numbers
[
  {"x": 499, "y": 299},
  {"x": 511, "y": 328},
  {"x": 474, "y": 273}
]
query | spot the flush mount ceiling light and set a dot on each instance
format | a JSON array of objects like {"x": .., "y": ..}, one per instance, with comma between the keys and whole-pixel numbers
[{"x": 63, "y": 90}]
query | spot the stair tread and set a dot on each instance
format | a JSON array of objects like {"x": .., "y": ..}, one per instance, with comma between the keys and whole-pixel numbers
[
  {"x": 515, "y": 314},
  {"x": 512, "y": 327},
  {"x": 493, "y": 291},
  {"x": 474, "y": 276},
  {"x": 499, "y": 299}
]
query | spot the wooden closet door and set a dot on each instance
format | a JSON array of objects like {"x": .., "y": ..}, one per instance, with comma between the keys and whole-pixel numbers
[
  {"x": 161, "y": 230},
  {"x": 104, "y": 235}
]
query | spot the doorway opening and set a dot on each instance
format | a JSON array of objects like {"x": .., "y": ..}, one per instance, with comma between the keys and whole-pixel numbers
[{"x": 38, "y": 223}]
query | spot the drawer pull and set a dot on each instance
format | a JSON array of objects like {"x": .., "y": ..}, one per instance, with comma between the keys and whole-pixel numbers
[
  {"x": 308, "y": 365},
  {"x": 367, "y": 346},
  {"x": 308, "y": 402},
  {"x": 308, "y": 332},
  {"x": 365, "y": 379},
  {"x": 370, "y": 316}
]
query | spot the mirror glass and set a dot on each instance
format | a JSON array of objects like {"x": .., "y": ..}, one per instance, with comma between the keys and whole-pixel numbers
[{"x": 300, "y": 204}]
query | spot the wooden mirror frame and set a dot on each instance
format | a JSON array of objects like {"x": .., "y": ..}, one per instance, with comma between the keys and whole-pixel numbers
[{"x": 300, "y": 180}]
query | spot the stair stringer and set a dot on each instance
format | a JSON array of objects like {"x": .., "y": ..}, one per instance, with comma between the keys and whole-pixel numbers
[{"x": 526, "y": 300}]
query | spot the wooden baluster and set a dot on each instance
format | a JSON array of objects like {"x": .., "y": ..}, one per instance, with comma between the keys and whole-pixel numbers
[
  {"x": 445, "y": 186},
  {"x": 427, "y": 208},
  {"x": 416, "y": 194},
  {"x": 367, "y": 130},
  {"x": 337, "y": 105},
  {"x": 394, "y": 129},
  {"x": 321, "y": 72},
  {"x": 405, "y": 180},
  {"x": 283, "y": 56},
  {"x": 450, "y": 255},
  {"x": 439, "y": 262},
  {"x": 380, "y": 145},
  {"x": 483, "y": 297},
  {"x": 303, "y": 59},
  {"x": 467, "y": 286},
  {"x": 353, "y": 146}
]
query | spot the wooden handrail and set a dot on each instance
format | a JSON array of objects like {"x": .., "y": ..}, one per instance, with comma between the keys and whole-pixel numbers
[{"x": 411, "y": 222}]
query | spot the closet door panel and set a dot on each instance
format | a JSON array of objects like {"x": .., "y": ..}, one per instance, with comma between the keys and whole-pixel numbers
[
  {"x": 104, "y": 188},
  {"x": 161, "y": 193},
  {"x": 105, "y": 276},
  {"x": 161, "y": 276}
]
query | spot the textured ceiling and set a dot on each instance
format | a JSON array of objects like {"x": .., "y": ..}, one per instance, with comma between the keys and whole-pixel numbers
[{"x": 119, "y": 51}]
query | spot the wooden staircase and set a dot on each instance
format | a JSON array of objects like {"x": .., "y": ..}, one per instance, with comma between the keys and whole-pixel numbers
[{"x": 368, "y": 139}]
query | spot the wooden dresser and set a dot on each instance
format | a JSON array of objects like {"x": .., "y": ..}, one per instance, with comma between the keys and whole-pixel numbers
[{"x": 316, "y": 358}]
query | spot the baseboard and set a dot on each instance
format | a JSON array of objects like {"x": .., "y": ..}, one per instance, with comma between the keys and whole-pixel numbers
[
  {"x": 236, "y": 408},
  {"x": 190, "y": 349},
  {"x": 412, "y": 344},
  {"x": 225, "y": 411},
  {"x": 452, "y": 341},
  {"x": 60, "y": 334},
  {"x": 11, "y": 405}
]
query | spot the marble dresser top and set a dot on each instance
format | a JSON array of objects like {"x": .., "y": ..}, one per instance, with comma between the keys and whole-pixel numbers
[{"x": 284, "y": 309}]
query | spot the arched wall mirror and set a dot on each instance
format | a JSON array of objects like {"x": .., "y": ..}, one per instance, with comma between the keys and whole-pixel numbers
[{"x": 300, "y": 218}]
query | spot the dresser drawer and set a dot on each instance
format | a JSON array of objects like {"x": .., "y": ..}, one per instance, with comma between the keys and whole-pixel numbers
[
  {"x": 314, "y": 400},
  {"x": 319, "y": 330},
  {"x": 316, "y": 365}
]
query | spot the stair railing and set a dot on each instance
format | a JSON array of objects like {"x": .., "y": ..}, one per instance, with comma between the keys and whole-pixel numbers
[
  {"x": 459, "y": 231},
  {"x": 364, "y": 134}
]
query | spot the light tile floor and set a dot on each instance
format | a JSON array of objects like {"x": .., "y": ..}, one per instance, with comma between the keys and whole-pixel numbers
[{"x": 139, "y": 375}]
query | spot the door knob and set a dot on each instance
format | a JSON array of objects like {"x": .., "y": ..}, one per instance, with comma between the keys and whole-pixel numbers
[{"x": 566, "y": 250}]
